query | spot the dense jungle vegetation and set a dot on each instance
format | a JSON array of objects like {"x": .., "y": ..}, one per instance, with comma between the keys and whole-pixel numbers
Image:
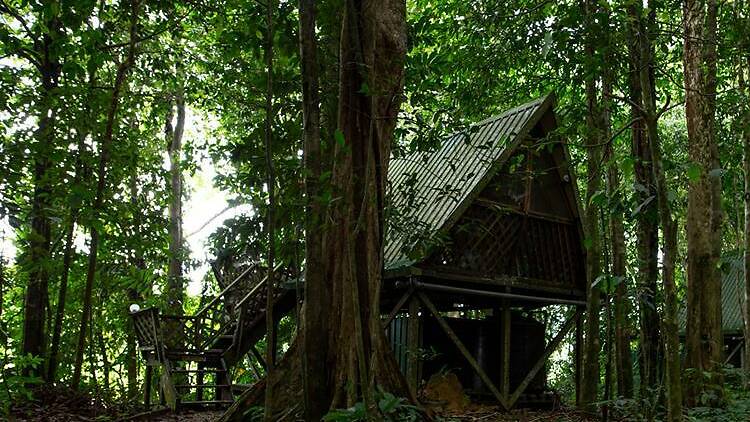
[{"x": 268, "y": 124}]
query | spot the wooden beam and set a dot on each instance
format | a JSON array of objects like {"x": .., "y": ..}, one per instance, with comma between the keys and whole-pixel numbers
[
  {"x": 504, "y": 209},
  {"x": 400, "y": 304},
  {"x": 461, "y": 348},
  {"x": 485, "y": 293},
  {"x": 736, "y": 348},
  {"x": 543, "y": 359},
  {"x": 258, "y": 356},
  {"x": 534, "y": 284}
]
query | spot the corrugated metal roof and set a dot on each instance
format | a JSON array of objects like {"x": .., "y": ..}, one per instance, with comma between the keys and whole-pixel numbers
[
  {"x": 732, "y": 296},
  {"x": 428, "y": 190}
]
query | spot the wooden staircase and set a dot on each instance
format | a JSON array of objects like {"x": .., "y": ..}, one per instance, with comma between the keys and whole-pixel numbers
[{"x": 196, "y": 353}]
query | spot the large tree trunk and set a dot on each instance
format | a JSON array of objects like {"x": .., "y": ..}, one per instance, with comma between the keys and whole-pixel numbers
[
  {"x": 35, "y": 302},
  {"x": 122, "y": 71},
  {"x": 373, "y": 48},
  {"x": 175, "y": 287},
  {"x": 669, "y": 227},
  {"x": 314, "y": 321},
  {"x": 647, "y": 222},
  {"x": 704, "y": 339},
  {"x": 592, "y": 344},
  {"x": 356, "y": 356}
]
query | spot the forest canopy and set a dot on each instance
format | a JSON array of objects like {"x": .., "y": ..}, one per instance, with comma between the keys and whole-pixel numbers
[{"x": 154, "y": 151}]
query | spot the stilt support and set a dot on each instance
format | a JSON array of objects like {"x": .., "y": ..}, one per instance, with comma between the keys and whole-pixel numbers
[
  {"x": 461, "y": 348},
  {"x": 543, "y": 359},
  {"x": 412, "y": 368}
]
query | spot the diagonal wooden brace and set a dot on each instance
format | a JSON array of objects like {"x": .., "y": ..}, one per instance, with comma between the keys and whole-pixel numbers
[
  {"x": 543, "y": 359},
  {"x": 464, "y": 351}
]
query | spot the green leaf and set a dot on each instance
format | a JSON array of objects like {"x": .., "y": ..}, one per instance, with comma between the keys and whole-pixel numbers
[
  {"x": 587, "y": 243},
  {"x": 547, "y": 44},
  {"x": 364, "y": 89},
  {"x": 338, "y": 135},
  {"x": 693, "y": 171}
]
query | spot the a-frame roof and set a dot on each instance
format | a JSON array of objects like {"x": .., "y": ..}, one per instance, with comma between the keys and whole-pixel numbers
[{"x": 430, "y": 190}]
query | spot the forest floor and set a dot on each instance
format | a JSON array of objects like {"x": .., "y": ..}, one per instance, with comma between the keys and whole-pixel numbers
[{"x": 444, "y": 397}]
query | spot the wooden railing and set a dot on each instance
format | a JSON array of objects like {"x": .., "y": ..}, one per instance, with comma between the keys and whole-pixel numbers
[{"x": 200, "y": 331}]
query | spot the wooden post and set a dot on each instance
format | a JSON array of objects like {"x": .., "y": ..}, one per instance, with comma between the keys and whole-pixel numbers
[
  {"x": 505, "y": 375},
  {"x": 461, "y": 348},
  {"x": 147, "y": 387},
  {"x": 412, "y": 367},
  {"x": 199, "y": 380},
  {"x": 578, "y": 354}
]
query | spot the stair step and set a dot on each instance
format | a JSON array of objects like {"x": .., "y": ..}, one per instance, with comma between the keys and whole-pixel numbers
[
  {"x": 202, "y": 386},
  {"x": 195, "y": 355},
  {"x": 197, "y": 371},
  {"x": 206, "y": 402}
]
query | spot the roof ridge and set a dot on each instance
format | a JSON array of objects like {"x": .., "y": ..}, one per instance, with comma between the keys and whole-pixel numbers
[{"x": 533, "y": 103}]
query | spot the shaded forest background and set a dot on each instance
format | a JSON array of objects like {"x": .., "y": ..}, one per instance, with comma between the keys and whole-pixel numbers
[{"x": 652, "y": 98}]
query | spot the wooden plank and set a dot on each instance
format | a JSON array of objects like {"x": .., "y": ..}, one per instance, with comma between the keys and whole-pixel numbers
[
  {"x": 461, "y": 348},
  {"x": 543, "y": 359}
]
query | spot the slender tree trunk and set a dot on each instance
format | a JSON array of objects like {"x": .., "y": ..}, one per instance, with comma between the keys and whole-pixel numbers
[
  {"x": 3, "y": 331},
  {"x": 175, "y": 287},
  {"x": 106, "y": 145},
  {"x": 623, "y": 357},
  {"x": 270, "y": 229},
  {"x": 69, "y": 237},
  {"x": 61, "y": 300},
  {"x": 35, "y": 302},
  {"x": 743, "y": 67},
  {"x": 647, "y": 219},
  {"x": 102, "y": 345},
  {"x": 592, "y": 344},
  {"x": 314, "y": 377},
  {"x": 133, "y": 293},
  {"x": 746, "y": 168},
  {"x": 704, "y": 334},
  {"x": 669, "y": 227}
]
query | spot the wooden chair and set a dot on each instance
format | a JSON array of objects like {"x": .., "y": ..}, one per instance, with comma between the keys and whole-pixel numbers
[{"x": 150, "y": 344}]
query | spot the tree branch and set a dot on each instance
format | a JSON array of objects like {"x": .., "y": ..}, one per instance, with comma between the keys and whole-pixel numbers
[{"x": 17, "y": 16}]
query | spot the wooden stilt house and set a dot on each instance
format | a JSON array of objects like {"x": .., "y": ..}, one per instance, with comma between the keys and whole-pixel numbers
[
  {"x": 482, "y": 232},
  {"x": 487, "y": 225}
]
